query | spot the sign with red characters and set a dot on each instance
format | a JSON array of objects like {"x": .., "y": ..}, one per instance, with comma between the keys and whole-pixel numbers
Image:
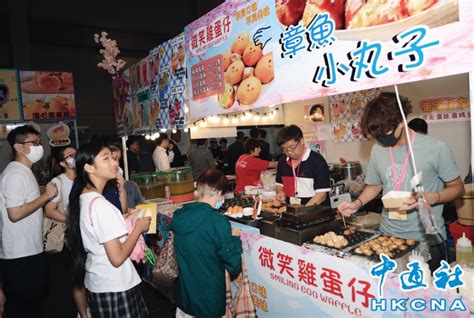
[{"x": 304, "y": 282}]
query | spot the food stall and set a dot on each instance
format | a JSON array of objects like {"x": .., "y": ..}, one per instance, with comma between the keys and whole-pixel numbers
[{"x": 246, "y": 57}]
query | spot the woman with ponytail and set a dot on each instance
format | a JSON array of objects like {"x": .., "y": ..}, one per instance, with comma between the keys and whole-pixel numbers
[{"x": 99, "y": 241}]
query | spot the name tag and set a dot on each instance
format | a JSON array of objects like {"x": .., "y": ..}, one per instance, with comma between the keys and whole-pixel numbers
[
  {"x": 294, "y": 200},
  {"x": 397, "y": 215}
]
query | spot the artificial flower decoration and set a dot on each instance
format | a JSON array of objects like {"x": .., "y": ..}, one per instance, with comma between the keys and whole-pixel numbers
[{"x": 110, "y": 52}]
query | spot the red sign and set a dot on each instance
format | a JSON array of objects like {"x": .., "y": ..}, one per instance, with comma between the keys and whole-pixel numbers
[{"x": 207, "y": 78}]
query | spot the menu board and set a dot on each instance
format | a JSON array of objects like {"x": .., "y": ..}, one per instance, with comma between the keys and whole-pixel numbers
[
  {"x": 10, "y": 102},
  {"x": 47, "y": 95}
]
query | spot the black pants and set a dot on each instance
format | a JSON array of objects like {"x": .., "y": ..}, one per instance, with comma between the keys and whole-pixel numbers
[
  {"x": 438, "y": 253},
  {"x": 25, "y": 285}
]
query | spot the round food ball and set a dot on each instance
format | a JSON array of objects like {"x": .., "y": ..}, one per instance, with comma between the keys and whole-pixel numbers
[
  {"x": 226, "y": 59},
  {"x": 249, "y": 90},
  {"x": 233, "y": 74},
  {"x": 240, "y": 43},
  {"x": 227, "y": 98},
  {"x": 252, "y": 54},
  {"x": 264, "y": 69}
]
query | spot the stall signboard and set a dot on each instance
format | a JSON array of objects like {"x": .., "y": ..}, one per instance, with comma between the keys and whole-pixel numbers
[
  {"x": 346, "y": 113},
  {"x": 123, "y": 105},
  {"x": 443, "y": 109},
  {"x": 168, "y": 92},
  {"x": 47, "y": 95},
  {"x": 304, "y": 50},
  {"x": 230, "y": 53},
  {"x": 291, "y": 281},
  {"x": 10, "y": 101},
  {"x": 122, "y": 102}
]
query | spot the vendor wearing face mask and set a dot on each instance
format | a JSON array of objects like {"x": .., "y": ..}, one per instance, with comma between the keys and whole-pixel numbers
[
  {"x": 302, "y": 175},
  {"x": 23, "y": 264},
  {"x": 390, "y": 169}
]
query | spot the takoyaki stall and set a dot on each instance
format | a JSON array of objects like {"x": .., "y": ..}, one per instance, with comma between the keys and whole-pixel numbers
[{"x": 245, "y": 56}]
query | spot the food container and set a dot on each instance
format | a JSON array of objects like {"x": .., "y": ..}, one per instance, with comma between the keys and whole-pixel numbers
[
  {"x": 465, "y": 206},
  {"x": 456, "y": 229},
  {"x": 178, "y": 180},
  {"x": 395, "y": 199},
  {"x": 151, "y": 184},
  {"x": 351, "y": 170},
  {"x": 180, "y": 183}
]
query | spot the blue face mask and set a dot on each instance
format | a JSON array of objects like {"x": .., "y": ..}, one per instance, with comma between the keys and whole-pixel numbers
[{"x": 219, "y": 204}]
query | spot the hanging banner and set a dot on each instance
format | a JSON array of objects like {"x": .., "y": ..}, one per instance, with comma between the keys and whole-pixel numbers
[
  {"x": 122, "y": 98},
  {"x": 47, "y": 95},
  {"x": 290, "y": 50},
  {"x": 290, "y": 281},
  {"x": 230, "y": 53},
  {"x": 10, "y": 103},
  {"x": 168, "y": 93},
  {"x": 346, "y": 113}
]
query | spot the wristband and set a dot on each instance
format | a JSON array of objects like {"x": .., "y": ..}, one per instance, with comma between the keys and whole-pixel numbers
[
  {"x": 439, "y": 198},
  {"x": 361, "y": 203}
]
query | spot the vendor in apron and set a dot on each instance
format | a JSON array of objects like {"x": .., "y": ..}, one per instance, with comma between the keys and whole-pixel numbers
[
  {"x": 390, "y": 169},
  {"x": 302, "y": 174},
  {"x": 249, "y": 166}
]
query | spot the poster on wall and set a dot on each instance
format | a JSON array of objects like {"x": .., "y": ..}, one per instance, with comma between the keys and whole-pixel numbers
[
  {"x": 169, "y": 93},
  {"x": 444, "y": 109},
  {"x": 47, "y": 95},
  {"x": 346, "y": 112},
  {"x": 316, "y": 136},
  {"x": 10, "y": 102},
  {"x": 306, "y": 49}
]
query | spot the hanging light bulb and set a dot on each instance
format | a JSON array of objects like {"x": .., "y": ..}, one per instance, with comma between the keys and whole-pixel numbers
[
  {"x": 203, "y": 123},
  {"x": 194, "y": 128},
  {"x": 226, "y": 120},
  {"x": 265, "y": 118},
  {"x": 256, "y": 117},
  {"x": 217, "y": 119},
  {"x": 147, "y": 137},
  {"x": 272, "y": 116},
  {"x": 235, "y": 120},
  {"x": 186, "y": 129},
  {"x": 163, "y": 130},
  {"x": 186, "y": 109},
  {"x": 174, "y": 131}
]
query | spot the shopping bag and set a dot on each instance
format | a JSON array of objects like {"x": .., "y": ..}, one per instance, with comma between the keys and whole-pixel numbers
[
  {"x": 242, "y": 306},
  {"x": 165, "y": 271},
  {"x": 53, "y": 235}
]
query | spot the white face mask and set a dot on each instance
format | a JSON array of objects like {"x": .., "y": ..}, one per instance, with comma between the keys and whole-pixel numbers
[
  {"x": 71, "y": 162},
  {"x": 36, "y": 153}
]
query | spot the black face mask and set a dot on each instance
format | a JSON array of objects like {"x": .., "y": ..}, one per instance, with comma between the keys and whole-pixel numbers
[{"x": 388, "y": 140}]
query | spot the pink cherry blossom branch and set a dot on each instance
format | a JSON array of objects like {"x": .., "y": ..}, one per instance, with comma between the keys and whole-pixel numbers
[{"x": 110, "y": 63}]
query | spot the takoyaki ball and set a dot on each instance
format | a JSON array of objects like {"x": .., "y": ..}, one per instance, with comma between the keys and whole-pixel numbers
[{"x": 410, "y": 242}]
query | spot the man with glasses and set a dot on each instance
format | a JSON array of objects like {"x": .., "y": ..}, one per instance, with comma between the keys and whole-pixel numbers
[
  {"x": 302, "y": 174},
  {"x": 23, "y": 264}
]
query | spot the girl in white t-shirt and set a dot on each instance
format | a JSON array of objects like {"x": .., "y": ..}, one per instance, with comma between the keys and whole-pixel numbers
[
  {"x": 99, "y": 241},
  {"x": 64, "y": 172}
]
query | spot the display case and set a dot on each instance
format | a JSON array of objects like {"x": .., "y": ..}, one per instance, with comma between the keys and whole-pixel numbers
[{"x": 178, "y": 180}]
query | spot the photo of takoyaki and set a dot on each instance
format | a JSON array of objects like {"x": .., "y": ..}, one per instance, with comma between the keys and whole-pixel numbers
[{"x": 246, "y": 69}]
